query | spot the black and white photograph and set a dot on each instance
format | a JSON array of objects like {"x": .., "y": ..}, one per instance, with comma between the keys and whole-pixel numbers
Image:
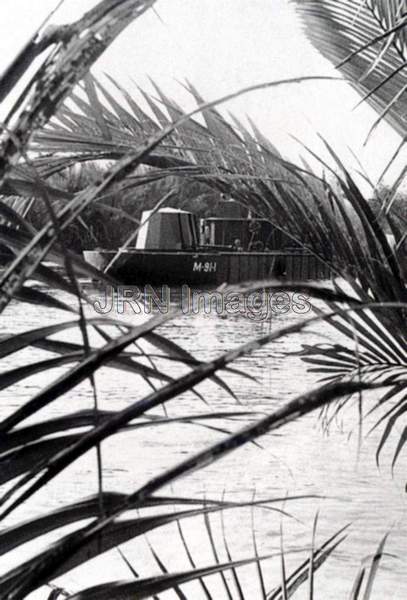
[{"x": 203, "y": 297}]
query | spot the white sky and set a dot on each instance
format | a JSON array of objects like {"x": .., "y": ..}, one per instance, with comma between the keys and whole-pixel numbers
[{"x": 221, "y": 46}]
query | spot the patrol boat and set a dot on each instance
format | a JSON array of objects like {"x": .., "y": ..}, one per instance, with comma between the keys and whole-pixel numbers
[{"x": 174, "y": 248}]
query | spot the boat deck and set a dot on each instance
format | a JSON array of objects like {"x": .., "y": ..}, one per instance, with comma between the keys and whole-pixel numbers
[{"x": 205, "y": 267}]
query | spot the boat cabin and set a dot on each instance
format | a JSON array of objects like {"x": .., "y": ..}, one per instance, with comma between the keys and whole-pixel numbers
[
  {"x": 167, "y": 229},
  {"x": 173, "y": 229}
]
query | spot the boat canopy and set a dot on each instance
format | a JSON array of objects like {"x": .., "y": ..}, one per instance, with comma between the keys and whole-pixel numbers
[{"x": 167, "y": 229}]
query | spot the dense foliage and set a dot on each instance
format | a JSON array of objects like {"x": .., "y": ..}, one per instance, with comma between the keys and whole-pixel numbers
[{"x": 135, "y": 154}]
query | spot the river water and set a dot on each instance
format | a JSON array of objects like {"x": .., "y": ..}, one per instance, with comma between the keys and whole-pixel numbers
[{"x": 302, "y": 458}]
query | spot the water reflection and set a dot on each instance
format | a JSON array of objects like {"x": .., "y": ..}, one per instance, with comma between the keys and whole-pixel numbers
[{"x": 299, "y": 459}]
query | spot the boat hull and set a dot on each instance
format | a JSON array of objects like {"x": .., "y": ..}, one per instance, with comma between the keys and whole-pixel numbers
[{"x": 204, "y": 268}]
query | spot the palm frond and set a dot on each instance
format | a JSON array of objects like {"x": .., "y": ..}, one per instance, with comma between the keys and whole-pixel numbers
[{"x": 367, "y": 41}]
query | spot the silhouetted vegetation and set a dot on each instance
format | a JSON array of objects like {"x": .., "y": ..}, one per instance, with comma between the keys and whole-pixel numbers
[{"x": 74, "y": 206}]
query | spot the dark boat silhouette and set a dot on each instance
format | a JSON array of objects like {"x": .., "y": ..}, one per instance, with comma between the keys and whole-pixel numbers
[{"x": 173, "y": 248}]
